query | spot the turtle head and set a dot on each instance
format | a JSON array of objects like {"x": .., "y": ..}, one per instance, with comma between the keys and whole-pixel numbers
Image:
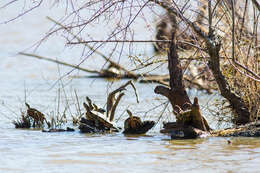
[
  {"x": 177, "y": 109},
  {"x": 27, "y": 105},
  {"x": 186, "y": 106},
  {"x": 129, "y": 113},
  {"x": 196, "y": 101}
]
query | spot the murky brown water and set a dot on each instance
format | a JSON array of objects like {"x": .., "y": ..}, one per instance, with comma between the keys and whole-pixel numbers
[{"x": 34, "y": 151}]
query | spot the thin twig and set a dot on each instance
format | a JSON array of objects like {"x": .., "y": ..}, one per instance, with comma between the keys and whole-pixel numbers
[
  {"x": 121, "y": 41},
  {"x": 256, "y": 4},
  {"x": 93, "y": 49}
]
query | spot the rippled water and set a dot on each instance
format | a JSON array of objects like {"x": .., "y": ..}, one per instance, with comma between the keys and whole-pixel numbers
[{"x": 34, "y": 151}]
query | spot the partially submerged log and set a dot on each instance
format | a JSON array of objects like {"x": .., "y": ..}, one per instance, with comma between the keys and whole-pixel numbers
[
  {"x": 68, "y": 129},
  {"x": 98, "y": 120},
  {"x": 95, "y": 121},
  {"x": 134, "y": 125},
  {"x": 32, "y": 118},
  {"x": 179, "y": 131},
  {"x": 92, "y": 126},
  {"x": 191, "y": 116},
  {"x": 247, "y": 130},
  {"x": 190, "y": 121},
  {"x": 23, "y": 122}
]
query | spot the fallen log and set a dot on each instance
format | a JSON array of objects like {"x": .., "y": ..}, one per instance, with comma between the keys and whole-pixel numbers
[
  {"x": 177, "y": 131},
  {"x": 247, "y": 130},
  {"x": 98, "y": 120},
  {"x": 68, "y": 129}
]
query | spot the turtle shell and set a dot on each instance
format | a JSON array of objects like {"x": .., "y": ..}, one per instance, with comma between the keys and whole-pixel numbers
[
  {"x": 99, "y": 118},
  {"x": 132, "y": 122},
  {"x": 184, "y": 116},
  {"x": 36, "y": 115}
]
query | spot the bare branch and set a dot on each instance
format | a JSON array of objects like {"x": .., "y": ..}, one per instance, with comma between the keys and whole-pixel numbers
[
  {"x": 256, "y": 4},
  {"x": 23, "y": 13},
  {"x": 59, "y": 62}
]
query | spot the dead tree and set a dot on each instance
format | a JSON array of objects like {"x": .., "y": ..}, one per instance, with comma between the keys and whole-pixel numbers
[
  {"x": 177, "y": 94},
  {"x": 213, "y": 45}
]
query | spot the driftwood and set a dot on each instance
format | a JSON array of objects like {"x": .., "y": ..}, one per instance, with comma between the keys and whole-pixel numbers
[
  {"x": 191, "y": 116},
  {"x": 113, "y": 71},
  {"x": 23, "y": 122},
  {"x": 189, "y": 122},
  {"x": 97, "y": 119},
  {"x": 180, "y": 131},
  {"x": 68, "y": 129},
  {"x": 247, "y": 130}
]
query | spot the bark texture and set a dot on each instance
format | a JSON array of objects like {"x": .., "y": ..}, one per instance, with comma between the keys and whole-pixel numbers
[
  {"x": 186, "y": 115},
  {"x": 236, "y": 102},
  {"x": 176, "y": 94}
]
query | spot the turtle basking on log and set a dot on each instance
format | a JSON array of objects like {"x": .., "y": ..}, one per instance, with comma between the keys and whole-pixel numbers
[
  {"x": 95, "y": 120},
  {"x": 98, "y": 120},
  {"x": 134, "y": 125},
  {"x": 112, "y": 71},
  {"x": 37, "y": 116},
  {"x": 31, "y": 114},
  {"x": 191, "y": 116},
  {"x": 190, "y": 123}
]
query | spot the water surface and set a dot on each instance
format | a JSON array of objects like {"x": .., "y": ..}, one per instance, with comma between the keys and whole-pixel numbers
[{"x": 32, "y": 151}]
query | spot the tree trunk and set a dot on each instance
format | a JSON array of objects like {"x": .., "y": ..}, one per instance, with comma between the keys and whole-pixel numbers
[
  {"x": 178, "y": 96},
  {"x": 236, "y": 102}
]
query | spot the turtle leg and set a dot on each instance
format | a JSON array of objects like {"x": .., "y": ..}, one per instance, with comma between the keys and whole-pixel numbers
[{"x": 33, "y": 123}]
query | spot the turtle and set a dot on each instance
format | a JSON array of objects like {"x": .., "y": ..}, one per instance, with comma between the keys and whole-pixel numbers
[
  {"x": 98, "y": 117},
  {"x": 134, "y": 125},
  {"x": 191, "y": 116},
  {"x": 95, "y": 118},
  {"x": 37, "y": 116},
  {"x": 132, "y": 122},
  {"x": 182, "y": 117},
  {"x": 112, "y": 71},
  {"x": 93, "y": 106}
]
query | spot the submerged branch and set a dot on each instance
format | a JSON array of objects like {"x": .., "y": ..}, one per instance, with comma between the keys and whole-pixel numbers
[{"x": 58, "y": 62}]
